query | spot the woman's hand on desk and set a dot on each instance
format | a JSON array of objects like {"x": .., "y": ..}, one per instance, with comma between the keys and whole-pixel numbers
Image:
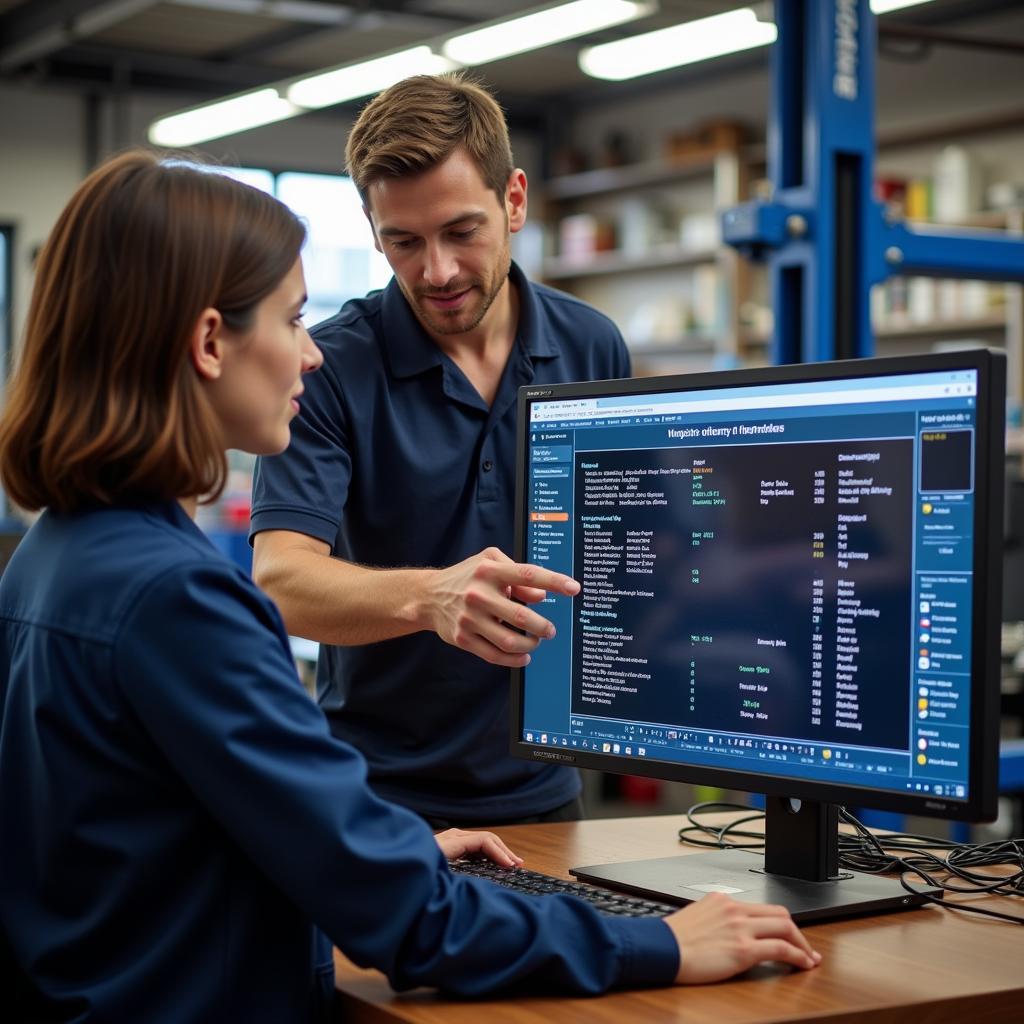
[
  {"x": 456, "y": 842},
  {"x": 719, "y": 937}
]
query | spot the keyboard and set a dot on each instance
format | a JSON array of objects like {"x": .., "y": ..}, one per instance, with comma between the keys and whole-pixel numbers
[{"x": 533, "y": 883}]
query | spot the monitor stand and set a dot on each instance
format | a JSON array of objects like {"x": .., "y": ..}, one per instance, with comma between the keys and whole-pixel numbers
[{"x": 799, "y": 869}]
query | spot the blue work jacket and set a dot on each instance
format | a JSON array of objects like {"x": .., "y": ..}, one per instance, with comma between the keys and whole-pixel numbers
[{"x": 181, "y": 838}]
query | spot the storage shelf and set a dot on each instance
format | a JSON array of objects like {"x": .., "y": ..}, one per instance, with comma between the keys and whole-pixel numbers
[
  {"x": 622, "y": 179},
  {"x": 943, "y": 328},
  {"x": 939, "y": 329},
  {"x": 984, "y": 220},
  {"x": 689, "y": 345},
  {"x": 617, "y": 262}
]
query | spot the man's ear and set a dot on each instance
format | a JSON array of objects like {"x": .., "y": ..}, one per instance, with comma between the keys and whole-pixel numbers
[
  {"x": 373, "y": 230},
  {"x": 206, "y": 345},
  {"x": 515, "y": 200}
]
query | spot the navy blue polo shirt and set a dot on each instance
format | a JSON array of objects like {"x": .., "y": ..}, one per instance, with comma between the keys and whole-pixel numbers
[{"x": 396, "y": 461}]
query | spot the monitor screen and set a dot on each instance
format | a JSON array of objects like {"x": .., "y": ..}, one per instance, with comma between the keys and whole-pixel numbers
[{"x": 790, "y": 579}]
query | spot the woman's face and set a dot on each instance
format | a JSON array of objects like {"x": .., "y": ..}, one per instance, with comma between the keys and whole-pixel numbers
[{"x": 257, "y": 393}]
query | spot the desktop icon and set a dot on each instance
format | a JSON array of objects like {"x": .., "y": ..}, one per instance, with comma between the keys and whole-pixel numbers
[
  {"x": 615, "y": 748},
  {"x": 543, "y": 737},
  {"x": 606, "y": 748},
  {"x": 529, "y": 737}
]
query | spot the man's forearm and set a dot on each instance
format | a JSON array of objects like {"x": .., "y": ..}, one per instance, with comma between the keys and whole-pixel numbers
[{"x": 333, "y": 601}]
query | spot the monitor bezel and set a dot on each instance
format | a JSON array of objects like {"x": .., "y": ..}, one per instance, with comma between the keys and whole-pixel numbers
[{"x": 981, "y": 803}]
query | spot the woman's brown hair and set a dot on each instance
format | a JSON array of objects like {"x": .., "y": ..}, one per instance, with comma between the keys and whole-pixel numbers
[
  {"x": 416, "y": 124},
  {"x": 105, "y": 406}
]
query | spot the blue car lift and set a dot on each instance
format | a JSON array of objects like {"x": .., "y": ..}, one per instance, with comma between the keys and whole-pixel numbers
[{"x": 824, "y": 236}]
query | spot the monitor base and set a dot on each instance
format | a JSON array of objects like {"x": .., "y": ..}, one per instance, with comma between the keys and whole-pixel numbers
[{"x": 741, "y": 874}]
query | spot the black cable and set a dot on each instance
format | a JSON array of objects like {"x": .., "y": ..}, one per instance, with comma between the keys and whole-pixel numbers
[{"x": 940, "y": 863}]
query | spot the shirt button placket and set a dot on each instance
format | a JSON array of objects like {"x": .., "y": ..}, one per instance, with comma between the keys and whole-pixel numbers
[{"x": 487, "y": 482}]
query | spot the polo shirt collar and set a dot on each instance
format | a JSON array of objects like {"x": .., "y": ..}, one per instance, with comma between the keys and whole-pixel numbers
[
  {"x": 411, "y": 351},
  {"x": 533, "y": 331}
]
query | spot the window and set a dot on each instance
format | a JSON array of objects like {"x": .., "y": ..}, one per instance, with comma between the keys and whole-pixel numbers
[
  {"x": 339, "y": 258},
  {"x": 340, "y": 263}
]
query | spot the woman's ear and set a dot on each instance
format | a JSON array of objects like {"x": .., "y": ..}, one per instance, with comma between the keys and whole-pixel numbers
[{"x": 206, "y": 346}]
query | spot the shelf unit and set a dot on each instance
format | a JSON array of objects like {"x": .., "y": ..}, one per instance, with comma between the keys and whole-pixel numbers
[
  {"x": 1001, "y": 326},
  {"x": 692, "y": 291},
  {"x": 739, "y": 332},
  {"x": 660, "y": 257}
]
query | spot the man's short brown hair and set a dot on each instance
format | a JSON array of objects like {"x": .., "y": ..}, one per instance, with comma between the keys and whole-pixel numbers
[
  {"x": 105, "y": 406},
  {"x": 418, "y": 123}
]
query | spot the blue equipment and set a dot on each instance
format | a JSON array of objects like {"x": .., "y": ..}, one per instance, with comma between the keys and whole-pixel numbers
[{"x": 825, "y": 238}]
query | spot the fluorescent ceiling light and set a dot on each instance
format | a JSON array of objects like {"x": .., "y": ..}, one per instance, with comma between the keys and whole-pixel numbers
[
  {"x": 237, "y": 114},
  {"x": 680, "y": 44},
  {"x": 885, "y": 6},
  {"x": 542, "y": 28},
  {"x": 366, "y": 77}
]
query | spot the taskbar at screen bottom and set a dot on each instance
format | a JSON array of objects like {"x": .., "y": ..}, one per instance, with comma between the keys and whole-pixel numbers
[{"x": 884, "y": 770}]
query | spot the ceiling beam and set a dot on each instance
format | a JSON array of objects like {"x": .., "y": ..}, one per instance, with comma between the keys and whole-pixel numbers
[
  {"x": 267, "y": 43},
  {"x": 36, "y": 30},
  {"x": 172, "y": 71}
]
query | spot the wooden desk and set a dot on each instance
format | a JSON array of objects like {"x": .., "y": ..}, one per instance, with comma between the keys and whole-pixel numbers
[{"x": 920, "y": 966}]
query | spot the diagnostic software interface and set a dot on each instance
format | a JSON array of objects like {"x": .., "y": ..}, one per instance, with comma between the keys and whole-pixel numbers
[{"x": 774, "y": 577}]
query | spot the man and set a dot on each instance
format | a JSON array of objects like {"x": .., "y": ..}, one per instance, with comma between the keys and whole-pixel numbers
[{"x": 383, "y": 531}]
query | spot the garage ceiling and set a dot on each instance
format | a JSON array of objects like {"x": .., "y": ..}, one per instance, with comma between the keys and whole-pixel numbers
[{"x": 216, "y": 47}]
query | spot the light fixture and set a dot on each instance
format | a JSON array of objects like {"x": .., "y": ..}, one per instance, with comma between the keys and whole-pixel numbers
[
  {"x": 885, "y": 6},
  {"x": 537, "y": 28},
  {"x": 672, "y": 47},
  {"x": 225, "y": 117},
  {"x": 644, "y": 54},
  {"x": 369, "y": 76},
  {"x": 541, "y": 27}
]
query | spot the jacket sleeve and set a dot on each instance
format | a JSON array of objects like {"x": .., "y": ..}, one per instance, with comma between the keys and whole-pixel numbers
[{"x": 204, "y": 662}]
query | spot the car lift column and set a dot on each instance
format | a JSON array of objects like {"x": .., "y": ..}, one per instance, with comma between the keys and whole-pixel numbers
[{"x": 825, "y": 238}]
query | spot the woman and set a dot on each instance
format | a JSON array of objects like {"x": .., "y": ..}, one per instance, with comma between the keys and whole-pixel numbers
[{"x": 182, "y": 838}]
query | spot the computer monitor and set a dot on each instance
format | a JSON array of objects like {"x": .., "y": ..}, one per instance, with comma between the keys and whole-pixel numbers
[{"x": 790, "y": 586}]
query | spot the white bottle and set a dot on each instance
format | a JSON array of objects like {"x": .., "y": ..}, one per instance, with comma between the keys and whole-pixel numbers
[{"x": 958, "y": 185}]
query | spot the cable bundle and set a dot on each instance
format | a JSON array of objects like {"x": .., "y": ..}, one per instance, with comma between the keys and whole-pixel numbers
[{"x": 952, "y": 867}]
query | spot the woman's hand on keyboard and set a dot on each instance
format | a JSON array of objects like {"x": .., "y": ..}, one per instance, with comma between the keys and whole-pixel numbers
[
  {"x": 719, "y": 937},
  {"x": 456, "y": 842}
]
